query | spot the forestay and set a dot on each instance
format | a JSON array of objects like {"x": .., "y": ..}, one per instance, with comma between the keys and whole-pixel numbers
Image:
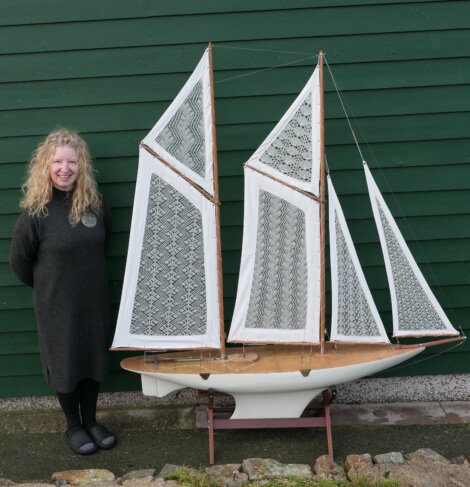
[
  {"x": 354, "y": 315},
  {"x": 291, "y": 152},
  {"x": 415, "y": 309},
  {"x": 278, "y": 298},
  {"x": 170, "y": 295},
  {"x": 183, "y": 135}
]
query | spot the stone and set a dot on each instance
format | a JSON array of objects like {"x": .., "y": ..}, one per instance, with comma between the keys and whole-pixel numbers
[
  {"x": 229, "y": 475},
  {"x": 33, "y": 484},
  {"x": 228, "y": 470},
  {"x": 167, "y": 483},
  {"x": 83, "y": 477},
  {"x": 138, "y": 474},
  {"x": 394, "y": 457},
  {"x": 427, "y": 454},
  {"x": 326, "y": 468},
  {"x": 6, "y": 482},
  {"x": 358, "y": 461},
  {"x": 259, "y": 469},
  {"x": 140, "y": 482},
  {"x": 167, "y": 469},
  {"x": 460, "y": 460},
  {"x": 361, "y": 467}
]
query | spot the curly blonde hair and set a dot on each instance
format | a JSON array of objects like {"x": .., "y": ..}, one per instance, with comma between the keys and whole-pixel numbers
[{"x": 38, "y": 186}]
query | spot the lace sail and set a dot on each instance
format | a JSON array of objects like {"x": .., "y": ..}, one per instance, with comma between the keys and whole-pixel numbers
[
  {"x": 183, "y": 135},
  {"x": 354, "y": 315},
  {"x": 291, "y": 152},
  {"x": 415, "y": 309},
  {"x": 279, "y": 285},
  {"x": 170, "y": 297}
]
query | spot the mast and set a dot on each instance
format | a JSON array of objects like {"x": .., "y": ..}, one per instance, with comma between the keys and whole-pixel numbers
[
  {"x": 322, "y": 209},
  {"x": 217, "y": 211}
]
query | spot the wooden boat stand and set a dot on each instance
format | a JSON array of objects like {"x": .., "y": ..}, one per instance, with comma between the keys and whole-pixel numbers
[{"x": 319, "y": 419}]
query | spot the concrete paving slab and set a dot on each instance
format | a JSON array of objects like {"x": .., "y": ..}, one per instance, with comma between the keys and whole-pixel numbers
[{"x": 32, "y": 444}]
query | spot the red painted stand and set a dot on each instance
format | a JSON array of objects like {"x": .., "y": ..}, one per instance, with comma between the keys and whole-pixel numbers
[{"x": 322, "y": 420}]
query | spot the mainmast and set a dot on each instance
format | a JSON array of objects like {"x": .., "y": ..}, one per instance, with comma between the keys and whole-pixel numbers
[{"x": 322, "y": 209}]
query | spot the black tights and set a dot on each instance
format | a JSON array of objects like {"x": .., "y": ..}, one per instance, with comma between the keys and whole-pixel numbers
[{"x": 79, "y": 406}]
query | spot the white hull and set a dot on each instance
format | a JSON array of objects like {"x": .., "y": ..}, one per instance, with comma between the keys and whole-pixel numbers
[{"x": 268, "y": 395}]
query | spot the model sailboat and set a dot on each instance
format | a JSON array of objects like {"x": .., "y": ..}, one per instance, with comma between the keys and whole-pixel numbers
[{"x": 172, "y": 292}]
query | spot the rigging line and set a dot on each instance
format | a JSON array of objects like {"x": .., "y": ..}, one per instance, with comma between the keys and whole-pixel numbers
[
  {"x": 344, "y": 108},
  {"x": 251, "y": 73},
  {"x": 431, "y": 356},
  {"x": 327, "y": 167},
  {"x": 260, "y": 50}
]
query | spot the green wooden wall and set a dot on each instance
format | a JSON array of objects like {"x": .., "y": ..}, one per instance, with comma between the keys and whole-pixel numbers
[{"x": 109, "y": 68}]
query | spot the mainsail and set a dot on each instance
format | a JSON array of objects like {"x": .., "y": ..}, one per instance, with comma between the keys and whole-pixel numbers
[
  {"x": 171, "y": 295},
  {"x": 279, "y": 287},
  {"x": 354, "y": 315},
  {"x": 278, "y": 297},
  {"x": 415, "y": 309}
]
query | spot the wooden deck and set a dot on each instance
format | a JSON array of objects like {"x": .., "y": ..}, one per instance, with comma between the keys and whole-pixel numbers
[{"x": 264, "y": 359}]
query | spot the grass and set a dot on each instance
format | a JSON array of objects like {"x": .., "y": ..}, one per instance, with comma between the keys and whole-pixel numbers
[{"x": 190, "y": 478}]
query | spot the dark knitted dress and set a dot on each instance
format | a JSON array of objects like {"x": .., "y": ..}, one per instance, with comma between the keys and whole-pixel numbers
[{"x": 65, "y": 265}]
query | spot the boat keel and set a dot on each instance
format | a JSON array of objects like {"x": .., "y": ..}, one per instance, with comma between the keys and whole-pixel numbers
[{"x": 289, "y": 404}]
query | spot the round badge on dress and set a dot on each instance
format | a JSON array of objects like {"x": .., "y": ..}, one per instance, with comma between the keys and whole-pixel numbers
[{"x": 89, "y": 219}]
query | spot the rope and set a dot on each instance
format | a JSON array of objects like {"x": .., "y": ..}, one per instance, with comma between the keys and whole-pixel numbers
[
  {"x": 251, "y": 73},
  {"x": 431, "y": 356},
  {"x": 344, "y": 109},
  {"x": 261, "y": 50}
]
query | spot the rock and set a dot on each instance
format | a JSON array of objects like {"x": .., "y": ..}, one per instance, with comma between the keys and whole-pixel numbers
[
  {"x": 140, "y": 482},
  {"x": 264, "y": 469},
  {"x": 361, "y": 467},
  {"x": 230, "y": 475},
  {"x": 167, "y": 483},
  {"x": 228, "y": 470},
  {"x": 460, "y": 460},
  {"x": 358, "y": 461},
  {"x": 167, "y": 468},
  {"x": 427, "y": 454},
  {"x": 138, "y": 474},
  {"x": 394, "y": 457},
  {"x": 60, "y": 482},
  {"x": 6, "y": 482},
  {"x": 83, "y": 477},
  {"x": 326, "y": 468}
]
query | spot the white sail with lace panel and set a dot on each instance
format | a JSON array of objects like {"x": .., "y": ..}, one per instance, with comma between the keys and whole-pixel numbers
[
  {"x": 182, "y": 137},
  {"x": 292, "y": 151},
  {"x": 171, "y": 297},
  {"x": 354, "y": 317},
  {"x": 278, "y": 298},
  {"x": 415, "y": 309}
]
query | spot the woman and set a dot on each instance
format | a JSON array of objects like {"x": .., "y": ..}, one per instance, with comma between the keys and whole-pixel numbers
[{"x": 58, "y": 249}]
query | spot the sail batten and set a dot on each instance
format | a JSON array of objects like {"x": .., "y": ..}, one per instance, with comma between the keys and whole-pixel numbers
[{"x": 415, "y": 310}]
